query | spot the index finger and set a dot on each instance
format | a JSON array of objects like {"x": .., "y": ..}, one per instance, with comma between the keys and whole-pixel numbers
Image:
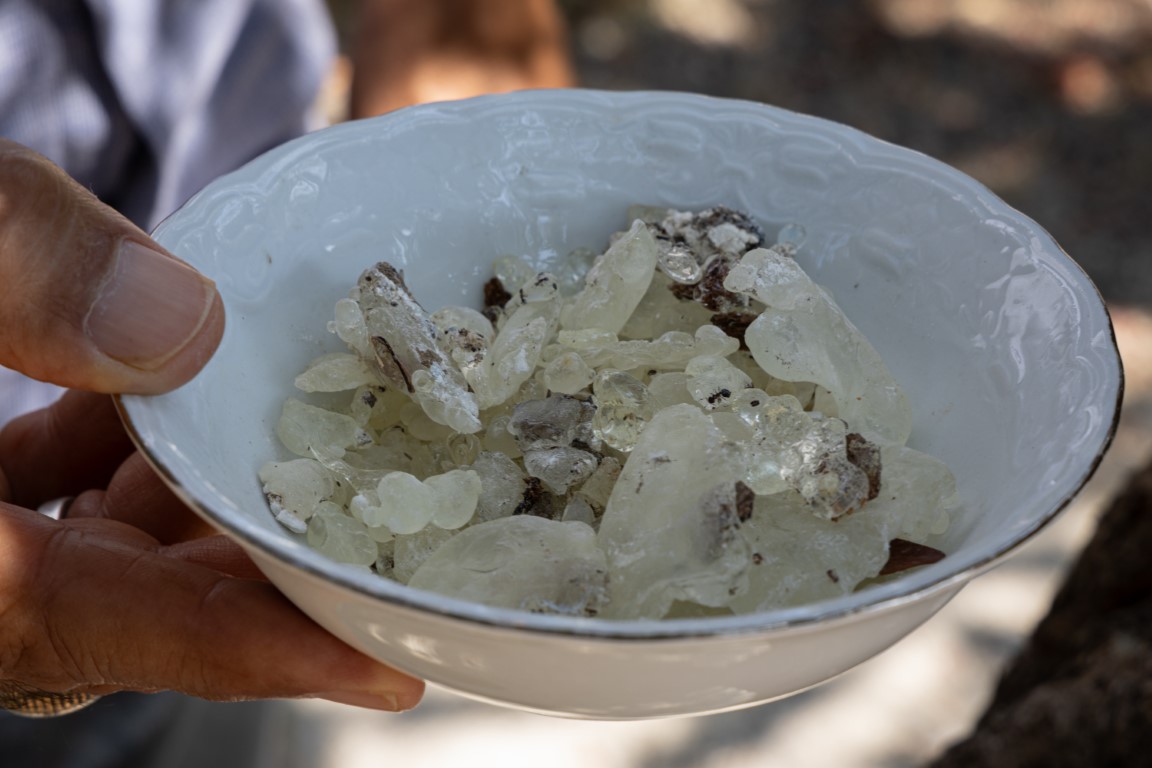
[{"x": 62, "y": 450}]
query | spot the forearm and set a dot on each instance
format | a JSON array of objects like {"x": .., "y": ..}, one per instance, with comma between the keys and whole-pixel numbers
[{"x": 411, "y": 51}]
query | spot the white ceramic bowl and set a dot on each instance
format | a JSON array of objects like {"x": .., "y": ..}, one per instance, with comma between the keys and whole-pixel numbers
[{"x": 1001, "y": 341}]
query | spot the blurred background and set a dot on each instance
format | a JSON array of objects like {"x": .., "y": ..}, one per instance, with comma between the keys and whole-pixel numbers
[{"x": 1049, "y": 103}]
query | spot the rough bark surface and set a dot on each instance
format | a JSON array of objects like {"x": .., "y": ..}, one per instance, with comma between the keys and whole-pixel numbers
[{"x": 1080, "y": 692}]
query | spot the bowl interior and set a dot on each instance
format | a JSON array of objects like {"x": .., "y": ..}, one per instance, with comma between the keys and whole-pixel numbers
[{"x": 1001, "y": 341}]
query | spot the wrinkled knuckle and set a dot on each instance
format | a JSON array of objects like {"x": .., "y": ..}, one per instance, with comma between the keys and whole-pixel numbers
[
  {"x": 196, "y": 679},
  {"x": 14, "y": 647},
  {"x": 59, "y": 646},
  {"x": 41, "y": 207},
  {"x": 55, "y": 250},
  {"x": 72, "y": 661},
  {"x": 16, "y": 626},
  {"x": 28, "y": 184},
  {"x": 195, "y": 670},
  {"x": 36, "y": 210},
  {"x": 32, "y": 651}
]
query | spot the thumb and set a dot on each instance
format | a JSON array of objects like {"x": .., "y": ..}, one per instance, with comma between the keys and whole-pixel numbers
[{"x": 88, "y": 300}]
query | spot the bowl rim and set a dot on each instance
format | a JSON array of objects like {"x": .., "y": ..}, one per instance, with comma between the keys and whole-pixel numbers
[{"x": 884, "y": 597}]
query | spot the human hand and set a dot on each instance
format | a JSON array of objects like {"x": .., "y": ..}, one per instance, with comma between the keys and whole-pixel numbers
[
  {"x": 130, "y": 591},
  {"x": 416, "y": 51}
]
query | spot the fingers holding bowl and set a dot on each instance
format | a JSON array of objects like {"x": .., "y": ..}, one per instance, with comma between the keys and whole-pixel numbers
[
  {"x": 62, "y": 450},
  {"x": 92, "y": 607},
  {"x": 135, "y": 496}
]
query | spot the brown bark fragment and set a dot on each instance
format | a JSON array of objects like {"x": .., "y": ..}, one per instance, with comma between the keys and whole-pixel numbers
[
  {"x": 735, "y": 324},
  {"x": 495, "y": 294},
  {"x": 745, "y": 501},
  {"x": 389, "y": 365},
  {"x": 536, "y": 500},
  {"x": 904, "y": 554},
  {"x": 710, "y": 291}
]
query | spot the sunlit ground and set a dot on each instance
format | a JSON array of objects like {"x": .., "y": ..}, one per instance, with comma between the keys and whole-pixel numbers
[{"x": 1036, "y": 99}]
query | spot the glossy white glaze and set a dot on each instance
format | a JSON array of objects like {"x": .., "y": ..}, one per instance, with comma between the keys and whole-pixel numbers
[{"x": 1001, "y": 341}]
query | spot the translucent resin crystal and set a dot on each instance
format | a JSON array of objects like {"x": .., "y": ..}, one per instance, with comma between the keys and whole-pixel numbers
[
  {"x": 336, "y": 372},
  {"x": 615, "y": 283},
  {"x": 410, "y": 552},
  {"x": 521, "y": 562},
  {"x": 567, "y": 373},
  {"x": 375, "y": 407},
  {"x": 307, "y": 430},
  {"x": 804, "y": 336},
  {"x": 512, "y": 356},
  {"x": 798, "y": 558},
  {"x": 684, "y": 425},
  {"x": 670, "y": 351},
  {"x": 294, "y": 490},
  {"x": 502, "y": 486},
  {"x": 451, "y": 320},
  {"x": 342, "y": 538},
  {"x": 554, "y": 421},
  {"x": 670, "y": 529},
  {"x": 678, "y": 262},
  {"x": 622, "y": 409},
  {"x": 408, "y": 504},
  {"x": 597, "y": 489},
  {"x": 349, "y": 326},
  {"x": 660, "y": 311},
  {"x": 560, "y": 467},
  {"x": 714, "y": 382},
  {"x": 917, "y": 493},
  {"x": 406, "y": 353}
]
